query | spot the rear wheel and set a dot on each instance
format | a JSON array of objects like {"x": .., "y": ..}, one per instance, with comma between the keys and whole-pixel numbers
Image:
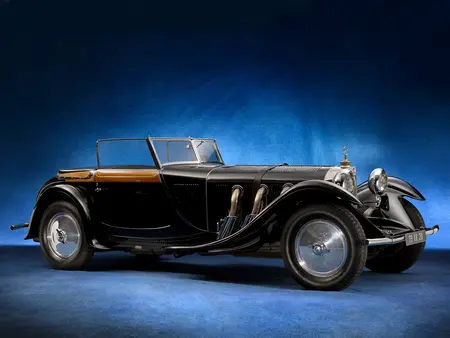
[
  {"x": 324, "y": 247},
  {"x": 399, "y": 257},
  {"x": 62, "y": 237}
]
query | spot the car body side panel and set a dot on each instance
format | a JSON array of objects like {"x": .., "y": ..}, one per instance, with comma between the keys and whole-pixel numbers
[
  {"x": 221, "y": 181},
  {"x": 136, "y": 204},
  {"x": 253, "y": 229},
  {"x": 126, "y": 203},
  {"x": 186, "y": 187},
  {"x": 202, "y": 192}
]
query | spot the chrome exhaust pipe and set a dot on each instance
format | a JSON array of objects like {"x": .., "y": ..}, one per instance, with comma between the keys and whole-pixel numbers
[
  {"x": 238, "y": 191},
  {"x": 391, "y": 241},
  {"x": 228, "y": 224},
  {"x": 257, "y": 204},
  {"x": 260, "y": 194},
  {"x": 285, "y": 188}
]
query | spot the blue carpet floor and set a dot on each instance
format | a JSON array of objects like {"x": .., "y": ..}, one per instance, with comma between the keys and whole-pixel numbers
[{"x": 214, "y": 297}]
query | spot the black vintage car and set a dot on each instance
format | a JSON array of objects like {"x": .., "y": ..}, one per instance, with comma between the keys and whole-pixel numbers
[{"x": 187, "y": 200}]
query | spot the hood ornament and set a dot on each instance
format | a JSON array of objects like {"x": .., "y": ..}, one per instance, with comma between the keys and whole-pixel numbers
[{"x": 345, "y": 162}]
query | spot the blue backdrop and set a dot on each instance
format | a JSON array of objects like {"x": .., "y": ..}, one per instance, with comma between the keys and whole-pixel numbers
[{"x": 291, "y": 81}]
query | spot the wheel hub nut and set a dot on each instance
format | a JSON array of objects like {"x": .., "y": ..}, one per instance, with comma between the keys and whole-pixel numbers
[
  {"x": 319, "y": 249},
  {"x": 62, "y": 236}
]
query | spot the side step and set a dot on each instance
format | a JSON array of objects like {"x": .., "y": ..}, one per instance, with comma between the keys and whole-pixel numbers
[{"x": 272, "y": 250}]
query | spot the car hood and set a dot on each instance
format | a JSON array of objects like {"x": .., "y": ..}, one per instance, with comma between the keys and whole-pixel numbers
[
  {"x": 270, "y": 174},
  {"x": 247, "y": 173}
]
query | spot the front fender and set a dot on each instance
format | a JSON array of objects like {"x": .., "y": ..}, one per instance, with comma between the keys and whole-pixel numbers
[
  {"x": 395, "y": 185},
  {"x": 403, "y": 188},
  {"x": 51, "y": 194},
  {"x": 306, "y": 191},
  {"x": 391, "y": 204}
]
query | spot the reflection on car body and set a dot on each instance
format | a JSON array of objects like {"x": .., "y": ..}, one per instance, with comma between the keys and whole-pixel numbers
[{"x": 186, "y": 200}]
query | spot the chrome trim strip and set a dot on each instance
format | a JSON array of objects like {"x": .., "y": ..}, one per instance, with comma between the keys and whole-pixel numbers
[
  {"x": 391, "y": 241},
  {"x": 178, "y": 162},
  {"x": 126, "y": 228}
]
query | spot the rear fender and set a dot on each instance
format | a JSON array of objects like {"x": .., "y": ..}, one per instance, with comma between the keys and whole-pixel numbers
[
  {"x": 54, "y": 193},
  {"x": 311, "y": 191}
]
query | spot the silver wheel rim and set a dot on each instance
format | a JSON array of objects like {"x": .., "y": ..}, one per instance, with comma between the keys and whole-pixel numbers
[
  {"x": 64, "y": 235},
  {"x": 321, "y": 248}
]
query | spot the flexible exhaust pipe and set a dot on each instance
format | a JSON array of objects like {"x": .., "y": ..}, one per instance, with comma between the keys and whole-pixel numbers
[
  {"x": 228, "y": 224},
  {"x": 257, "y": 204}
]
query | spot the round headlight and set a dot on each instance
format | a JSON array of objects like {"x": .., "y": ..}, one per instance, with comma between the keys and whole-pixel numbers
[
  {"x": 346, "y": 179},
  {"x": 378, "y": 181}
]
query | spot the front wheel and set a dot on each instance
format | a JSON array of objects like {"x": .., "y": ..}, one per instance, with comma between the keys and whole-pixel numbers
[
  {"x": 62, "y": 237},
  {"x": 399, "y": 257},
  {"x": 324, "y": 247}
]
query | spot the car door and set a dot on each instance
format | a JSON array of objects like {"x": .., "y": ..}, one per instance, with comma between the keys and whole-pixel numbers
[{"x": 130, "y": 202}]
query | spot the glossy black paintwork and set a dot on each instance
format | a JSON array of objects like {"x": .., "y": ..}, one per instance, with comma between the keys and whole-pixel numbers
[
  {"x": 182, "y": 211},
  {"x": 190, "y": 199},
  {"x": 402, "y": 187},
  {"x": 202, "y": 192},
  {"x": 46, "y": 195},
  {"x": 302, "y": 191}
]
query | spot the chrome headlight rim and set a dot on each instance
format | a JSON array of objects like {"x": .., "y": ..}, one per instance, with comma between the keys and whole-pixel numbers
[
  {"x": 378, "y": 181},
  {"x": 343, "y": 177}
]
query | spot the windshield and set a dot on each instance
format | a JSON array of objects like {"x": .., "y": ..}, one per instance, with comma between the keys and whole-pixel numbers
[{"x": 186, "y": 150}]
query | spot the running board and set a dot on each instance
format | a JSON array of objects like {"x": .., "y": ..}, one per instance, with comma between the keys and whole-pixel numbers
[
  {"x": 241, "y": 237},
  {"x": 233, "y": 250},
  {"x": 267, "y": 250}
]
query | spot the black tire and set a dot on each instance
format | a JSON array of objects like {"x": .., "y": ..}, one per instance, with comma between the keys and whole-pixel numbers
[
  {"x": 83, "y": 253},
  {"x": 356, "y": 246},
  {"x": 399, "y": 257}
]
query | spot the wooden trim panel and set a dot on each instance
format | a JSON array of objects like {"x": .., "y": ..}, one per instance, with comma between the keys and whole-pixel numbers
[
  {"x": 127, "y": 175},
  {"x": 77, "y": 176},
  {"x": 112, "y": 175}
]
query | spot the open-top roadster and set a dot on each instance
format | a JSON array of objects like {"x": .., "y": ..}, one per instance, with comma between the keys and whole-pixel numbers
[{"x": 186, "y": 201}]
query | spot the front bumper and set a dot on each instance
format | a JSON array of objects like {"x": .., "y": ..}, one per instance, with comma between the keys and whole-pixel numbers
[{"x": 399, "y": 239}]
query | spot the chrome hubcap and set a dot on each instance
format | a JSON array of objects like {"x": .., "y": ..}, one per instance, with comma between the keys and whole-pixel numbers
[
  {"x": 63, "y": 235},
  {"x": 321, "y": 248}
]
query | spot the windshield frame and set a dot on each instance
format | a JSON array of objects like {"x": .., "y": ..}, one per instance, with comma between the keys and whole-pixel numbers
[{"x": 194, "y": 148}]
